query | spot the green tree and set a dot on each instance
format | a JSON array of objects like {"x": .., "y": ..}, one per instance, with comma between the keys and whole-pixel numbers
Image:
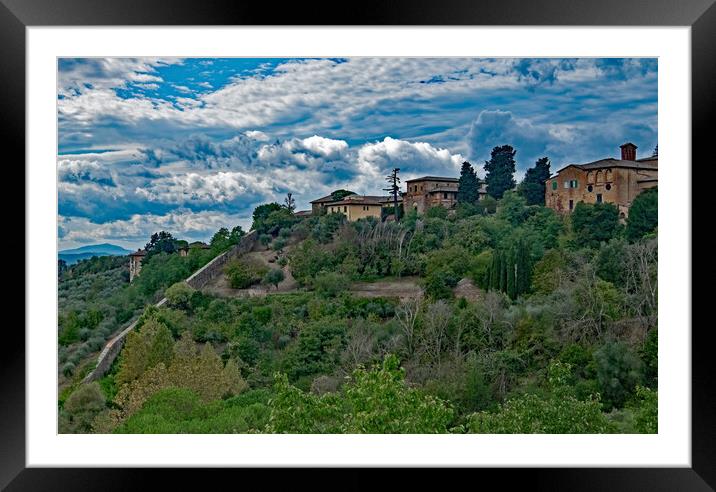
[
  {"x": 290, "y": 203},
  {"x": 500, "y": 170},
  {"x": 618, "y": 371},
  {"x": 81, "y": 408},
  {"x": 273, "y": 277},
  {"x": 160, "y": 242},
  {"x": 559, "y": 412},
  {"x": 533, "y": 185},
  {"x": 179, "y": 295},
  {"x": 468, "y": 185},
  {"x": 643, "y": 215},
  {"x": 594, "y": 223},
  {"x": 375, "y": 401}
]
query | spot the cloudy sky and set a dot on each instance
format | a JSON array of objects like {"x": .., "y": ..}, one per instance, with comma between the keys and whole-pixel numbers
[{"x": 191, "y": 145}]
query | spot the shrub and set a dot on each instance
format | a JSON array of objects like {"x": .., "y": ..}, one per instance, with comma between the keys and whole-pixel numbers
[
  {"x": 273, "y": 277},
  {"x": 68, "y": 369},
  {"x": 179, "y": 295},
  {"x": 330, "y": 284},
  {"x": 242, "y": 275}
]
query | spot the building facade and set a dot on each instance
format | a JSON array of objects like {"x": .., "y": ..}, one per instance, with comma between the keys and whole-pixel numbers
[
  {"x": 356, "y": 207},
  {"x": 430, "y": 191},
  {"x": 135, "y": 263},
  {"x": 609, "y": 180}
]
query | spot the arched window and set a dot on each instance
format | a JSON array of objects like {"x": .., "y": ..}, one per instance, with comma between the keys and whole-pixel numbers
[
  {"x": 608, "y": 175},
  {"x": 599, "y": 178}
]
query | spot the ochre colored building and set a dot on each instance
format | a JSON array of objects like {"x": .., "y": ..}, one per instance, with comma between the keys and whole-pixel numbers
[
  {"x": 135, "y": 263},
  {"x": 430, "y": 191},
  {"x": 356, "y": 207},
  {"x": 609, "y": 180}
]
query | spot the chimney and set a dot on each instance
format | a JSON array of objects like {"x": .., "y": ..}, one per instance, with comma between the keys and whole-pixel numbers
[{"x": 628, "y": 151}]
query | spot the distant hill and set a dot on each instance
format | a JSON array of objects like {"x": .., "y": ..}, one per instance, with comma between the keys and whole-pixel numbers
[{"x": 72, "y": 256}]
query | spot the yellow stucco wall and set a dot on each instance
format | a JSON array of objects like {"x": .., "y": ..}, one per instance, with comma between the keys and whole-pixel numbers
[{"x": 356, "y": 211}]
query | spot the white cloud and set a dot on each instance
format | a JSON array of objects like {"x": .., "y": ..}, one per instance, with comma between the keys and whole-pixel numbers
[
  {"x": 136, "y": 230},
  {"x": 212, "y": 188}
]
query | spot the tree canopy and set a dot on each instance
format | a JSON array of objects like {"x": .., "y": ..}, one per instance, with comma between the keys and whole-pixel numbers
[{"x": 500, "y": 170}]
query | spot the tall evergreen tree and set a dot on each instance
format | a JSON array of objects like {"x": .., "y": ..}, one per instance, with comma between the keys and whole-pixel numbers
[
  {"x": 532, "y": 187},
  {"x": 469, "y": 184},
  {"x": 643, "y": 215},
  {"x": 500, "y": 170}
]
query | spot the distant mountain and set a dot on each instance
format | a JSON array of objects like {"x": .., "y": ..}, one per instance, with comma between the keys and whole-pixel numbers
[{"x": 72, "y": 256}]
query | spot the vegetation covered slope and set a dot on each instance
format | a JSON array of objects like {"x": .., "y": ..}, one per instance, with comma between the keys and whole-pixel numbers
[{"x": 562, "y": 339}]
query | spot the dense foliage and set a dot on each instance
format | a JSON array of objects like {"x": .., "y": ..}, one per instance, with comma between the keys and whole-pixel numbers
[{"x": 529, "y": 322}]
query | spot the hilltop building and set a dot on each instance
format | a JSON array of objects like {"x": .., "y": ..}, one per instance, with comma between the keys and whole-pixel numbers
[
  {"x": 319, "y": 204},
  {"x": 135, "y": 263},
  {"x": 608, "y": 180},
  {"x": 429, "y": 191},
  {"x": 356, "y": 207}
]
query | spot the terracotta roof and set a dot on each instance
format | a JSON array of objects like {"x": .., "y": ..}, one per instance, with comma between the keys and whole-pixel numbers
[
  {"x": 434, "y": 178},
  {"x": 610, "y": 162},
  {"x": 139, "y": 252},
  {"x": 358, "y": 200},
  {"x": 303, "y": 213},
  {"x": 327, "y": 198}
]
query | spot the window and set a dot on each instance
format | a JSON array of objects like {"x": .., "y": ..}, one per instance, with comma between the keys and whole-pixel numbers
[
  {"x": 574, "y": 183},
  {"x": 444, "y": 196},
  {"x": 599, "y": 198},
  {"x": 554, "y": 185},
  {"x": 608, "y": 187},
  {"x": 566, "y": 184},
  {"x": 571, "y": 204},
  {"x": 345, "y": 208},
  {"x": 590, "y": 188}
]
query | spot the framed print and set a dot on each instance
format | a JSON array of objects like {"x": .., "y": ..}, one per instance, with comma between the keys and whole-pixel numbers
[{"x": 421, "y": 238}]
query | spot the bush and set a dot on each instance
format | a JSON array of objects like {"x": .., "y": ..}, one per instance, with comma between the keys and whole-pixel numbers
[
  {"x": 179, "y": 295},
  {"x": 330, "y": 284},
  {"x": 279, "y": 244},
  {"x": 241, "y": 275},
  {"x": 68, "y": 369},
  {"x": 273, "y": 277}
]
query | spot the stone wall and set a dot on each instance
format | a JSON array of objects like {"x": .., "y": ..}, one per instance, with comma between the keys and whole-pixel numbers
[
  {"x": 216, "y": 266},
  {"x": 197, "y": 280}
]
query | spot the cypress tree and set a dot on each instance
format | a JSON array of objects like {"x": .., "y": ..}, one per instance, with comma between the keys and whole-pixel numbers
[
  {"x": 500, "y": 170},
  {"x": 532, "y": 187},
  {"x": 468, "y": 185},
  {"x": 510, "y": 271}
]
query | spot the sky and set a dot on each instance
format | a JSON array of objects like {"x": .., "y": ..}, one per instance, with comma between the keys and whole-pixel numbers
[{"x": 192, "y": 145}]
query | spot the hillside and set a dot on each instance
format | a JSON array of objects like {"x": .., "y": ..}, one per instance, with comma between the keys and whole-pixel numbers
[
  {"x": 72, "y": 256},
  {"x": 506, "y": 319}
]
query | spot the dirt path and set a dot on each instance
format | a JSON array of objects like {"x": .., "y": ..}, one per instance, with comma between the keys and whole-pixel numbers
[{"x": 398, "y": 287}]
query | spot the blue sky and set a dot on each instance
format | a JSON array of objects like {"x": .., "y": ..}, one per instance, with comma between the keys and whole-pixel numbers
[{"x": 192, "y": 145}]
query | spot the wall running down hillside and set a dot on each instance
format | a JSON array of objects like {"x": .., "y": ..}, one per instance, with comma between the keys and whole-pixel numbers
[{"x": 197, "y": 280}]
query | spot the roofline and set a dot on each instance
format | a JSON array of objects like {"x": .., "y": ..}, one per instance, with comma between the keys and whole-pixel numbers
[
  {"x": 617, "y": 163},
  {"x": 433, "y": 178}
]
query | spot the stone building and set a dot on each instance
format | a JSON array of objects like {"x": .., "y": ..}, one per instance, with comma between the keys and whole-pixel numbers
[
  {"x": 609, "y": 180},
  {"x": 429, "y": 191},
  {"x": 356, "y": 207},
  {"x": 135, "y": 263}
]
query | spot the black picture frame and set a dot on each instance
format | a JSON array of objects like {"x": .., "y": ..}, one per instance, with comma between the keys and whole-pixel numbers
[{"x": 16, "y": 15}]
